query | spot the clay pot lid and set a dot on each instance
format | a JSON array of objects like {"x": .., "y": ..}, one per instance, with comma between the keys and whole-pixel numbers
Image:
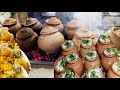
[
  {"x": 115, "y": 67},
  {"x": 95, "y": 69},
  {"x": 91, "y": 56},
  {"x": 30, "y": 21},
  {"x": 48, "y": 30},
  {"x": 53, "y": 20},
  {"x": 107, "y": 52},
  {"x": 84, "y": 34},
  {"x": 9, "y": 21},
  {"x": 57, "y": 62},
  {"x": 24, "y": 33},
  {"x": 74, "y": 24},
  {"x": 72, "y": 58}
]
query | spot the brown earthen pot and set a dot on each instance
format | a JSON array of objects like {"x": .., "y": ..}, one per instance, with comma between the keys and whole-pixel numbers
[
  {"x": 75, "y": 62},
  {"x": 60, "y": 65},
  {"x": 26, "y": 39},
  {"x": 69, "y": 73},
  {"x": 95, "y": 72},
  {"x": 91, "y": 60},
  {"x": 108, "y": 58},
  {"x": 54, "y": 22},
  {"x": 50, "y": 39},
  {"x": 56, "y": 75},
  {"x": 72, "y": 27},
  {"x": 12, "y": 24},
  {"x": 80, "y": 35},
  {"x": 114, "y": 70},
  {"x": 103, "y": 43},
  {"x": 68, "y": 47},
  {"x": 86, "y": 46},
  {"x": 34, "y": 24}
]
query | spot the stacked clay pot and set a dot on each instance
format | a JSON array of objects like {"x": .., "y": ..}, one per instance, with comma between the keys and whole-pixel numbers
[
  {"x": 86, "y": 46},
  {"x": 26, "y": 39},
  {"x": 34, "y": 24},
  {"x": 68, "y": 47},
  {"x": 13, "y": 25},
  {"x": 72, "y": 27},
  {"x": 108, "y": 58},
  {"x": 75, "y": 62},
  {"x": 95, "y": 72},
  {"x": 80, "y": 35},
  {"x": 114, "y": 70},
  {"x": 103, "y": 43},
  {"x": 50, "y": 39},
  {"x": 92, "y": 60},
  {"x": 54, "y": 22}
]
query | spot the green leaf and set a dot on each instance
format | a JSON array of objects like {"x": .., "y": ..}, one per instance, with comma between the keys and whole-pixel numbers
[
  {"x": 72, "y": 56},
  {"x": 63, "y": 63}
]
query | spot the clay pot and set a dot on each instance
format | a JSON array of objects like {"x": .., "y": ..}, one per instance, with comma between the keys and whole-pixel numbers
[
  {"x": 95, "y": 72},
  {"x": 114, "y": 72},
  {"x": 26, "y": 39},
  {"x": 108, "y": 58},
  {"x": 72, "y": 27},
  {"x": 91, "y": 60},
  {"x": 114, "y": 34},
  {"x": 103, "y": 44},
  {"x": 54, "y": 22},
  {"x": 80, "y": 35},
  {"x": 69, "y": 73},
  {"x": 34, "y": 24},
  {"x": 86, "y": 46},
  {"x": 50, "y": 39},
  {"x": 74, "y": 62},
  {"x": 56, "y": 75},
  {"x": 12, "y": 24},
  {"x": 68, "y": 47},
  {"x": 60, "y": 65}
]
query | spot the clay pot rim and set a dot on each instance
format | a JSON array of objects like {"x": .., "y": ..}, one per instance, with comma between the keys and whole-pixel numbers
[
  {"x": 21, "y": 36},
  {"x": 74, "y": 61},
  {"x": 9, "y": 22},
  {"x": 68, "y": 69},
  {"x": 104, "y": 43},
  {"x": 109, "y": 56},
  {"x": 113, "y": 69},
  {"x": 30, "y": 21},
  {"x": 113, "y": 31},
  {"x": 87, "y": 47},
  {"x": 56, "y": 63},
  {"x": 53, "y": 23},
  {"x": 94, "y": 68},
  {"x": 69, "y": 48},
  {"x": 92, "y": 60},
  {"x": 49, "y": 32}
]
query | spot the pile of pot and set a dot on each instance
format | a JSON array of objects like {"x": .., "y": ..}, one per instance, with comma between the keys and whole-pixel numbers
[{"x": 86, "y": 56}]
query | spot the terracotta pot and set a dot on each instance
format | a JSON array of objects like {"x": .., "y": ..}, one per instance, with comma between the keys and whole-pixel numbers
[
  {"x": 68, "y": 47},
  {"x": 50, "y": 39},
  {"x": 80, "y": 35},
  {"x": 56, "y": 75},
  {"x": 72, "y": 27},
  {"x": 75, "y": 62},
  {"x": 113, "y": 71},
  {"x": 95, "y": 72},
  {"x": 34, "y": 24},
  {"x": 103, "y": 44},
  {"x": 91, "y": 60},
  {"x": 90, "y": 46},
  {"x": 26, "y": 39},
  {"x": 12, "y": 24},
  {"x": 60, "y": 65},
  {"x": 70, "y": 73},
  {"x": 108, "y": 59},
  {"x": 54, "y": 22},
  {"x": 114, "y": 34}
]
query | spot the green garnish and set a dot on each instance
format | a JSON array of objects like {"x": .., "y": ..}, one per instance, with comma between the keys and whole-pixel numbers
[
  {"x": 63, "y": 63},
  {"x": 72, "y": 56},
  {"x": 69, "y": 74},
  {"x": 104, "y": 37},
  {"x": 86, "y": 41},
  {"x": 90, "y": 54},
  {"x": 118, "y": 67},
  {"x": 67, "y": 44},
  {"x": 93, "y": 74}
]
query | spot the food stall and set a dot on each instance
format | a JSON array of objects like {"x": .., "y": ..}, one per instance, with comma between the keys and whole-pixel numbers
[{"x": 63, "y": 44}]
